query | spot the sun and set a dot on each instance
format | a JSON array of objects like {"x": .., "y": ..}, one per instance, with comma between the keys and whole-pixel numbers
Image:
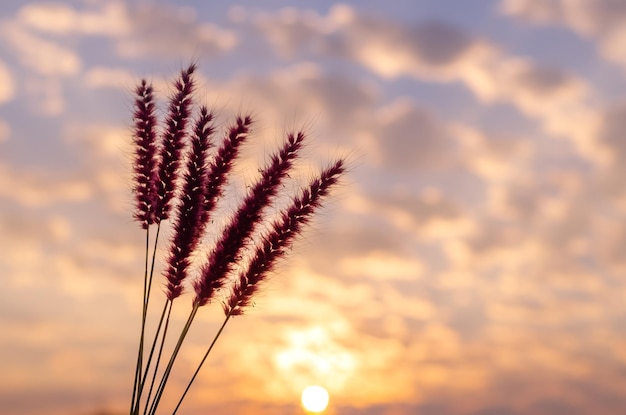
[{"x": 314, "y": 398}]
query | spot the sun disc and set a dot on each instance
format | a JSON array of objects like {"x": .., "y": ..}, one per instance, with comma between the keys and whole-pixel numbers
[{"x": 314, "y": 398}]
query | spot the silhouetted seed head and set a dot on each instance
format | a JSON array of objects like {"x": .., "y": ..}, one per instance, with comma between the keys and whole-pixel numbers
[
  {"x": 188, "y": 227},
  {"x": 225, "y": 253},
  {"x": 274, "y": 245},
  {"x": 173, "y": 143},
  {"x": 221, "y": 165},
  {"x": 144, "y": 138}
]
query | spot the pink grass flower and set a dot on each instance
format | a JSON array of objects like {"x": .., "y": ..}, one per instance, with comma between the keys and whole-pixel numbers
[
  {"x": 190, "y": 207},
  {"x": 144, "y": 138},
  {"x": 225, "y": 254},
  {"x": 173, "y": 143},
  {"x": 275, "y": 244},
  {"x": 221, "y": 165}
]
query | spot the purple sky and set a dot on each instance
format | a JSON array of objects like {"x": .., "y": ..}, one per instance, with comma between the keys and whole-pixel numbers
[{"x": 471, "y": 263}]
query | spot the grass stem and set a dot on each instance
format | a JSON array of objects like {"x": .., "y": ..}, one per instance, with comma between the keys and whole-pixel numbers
[
  {"x": 138, "y": 365},
  {"x": 166, "y": 310},
  {"x": 168, "y": 369},
  {"x": 147, "y": 287},
  {"x": 202, "y": 362}
]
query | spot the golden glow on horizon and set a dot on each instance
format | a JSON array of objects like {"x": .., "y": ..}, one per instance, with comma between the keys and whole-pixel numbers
[
  {"x": 314, "y": 398},
  {"x": 314, "y": 353}
]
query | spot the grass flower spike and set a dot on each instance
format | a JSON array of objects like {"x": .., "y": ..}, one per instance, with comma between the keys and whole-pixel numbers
[
  {"x": 190, "y": 210},
  {"x": 276, "y": 242},
  {"x": 221, "y": 166},
  {"x": 144, "y": 138},
  {"x": 178, "y": 179},
  {"x": 225, "y": 254},
  {"x": 173, "y": 143}
]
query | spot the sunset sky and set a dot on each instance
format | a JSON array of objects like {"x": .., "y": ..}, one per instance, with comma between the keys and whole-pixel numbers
[{"x": 471, "y": 262}]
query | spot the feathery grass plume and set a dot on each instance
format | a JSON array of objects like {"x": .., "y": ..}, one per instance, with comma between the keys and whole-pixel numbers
[
  {"x": 192, "y": 183},
  {"x": 275, "y": 243},
  {"x": 144, "y": 138},
  {"x": 190, "y": 207},
  {"x": 225, "y": 253},
  {"x": 203, "y": 185},
  {"x": 221, "y": 166},
  {"x": 173, "y": 142}
]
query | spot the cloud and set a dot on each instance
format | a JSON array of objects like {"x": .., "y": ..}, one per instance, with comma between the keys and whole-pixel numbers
[
  {"x": 428, "y": 215},
  {"x": 601, "y": 20},
  {"x": 110, "y": 19},
  {"x": 381, "y": 265},
  {"x": 45, "y": 95},
  {"x": 430, "y": 49},
  {"x": 37, "y": 188},
  {"x": 532, "y": 87},
  {"x": 440, "y": 52},
  {"x": 290, "y": 29},
  {"x": 406, "y": 137},
  {"x": 7, "y": 84},
  {"x": 49, "y": 273},
  {"x": 400, "y": 136},
  {"x": 496, "y": 157},
  {"x": 611, "y": 136},
  {"x": 38, "y": 37},
  {"x": 612, "y": 132},
  {"x": 5, "y": 130},
  {"x": 106, "y": 77},
  {"x": 172, "y": 32},
  {"x": 137, "y": 32},
  {"x": 107, "y": 153},
  {"x": 41, "y": 55},
  {"x": 334, "y": 112}
]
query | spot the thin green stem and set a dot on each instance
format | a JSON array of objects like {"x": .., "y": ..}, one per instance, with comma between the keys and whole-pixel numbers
[
  {"x": 168, "y": 369},
  {"x": 158, "y": 362},
  {"x": 147, "y": 287},
  {"x": 137, "y": 380},
  {"x": 156, "y": 240},
  {"x": 202, "y": 362},
  {"x": 154, "y": 343}
]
